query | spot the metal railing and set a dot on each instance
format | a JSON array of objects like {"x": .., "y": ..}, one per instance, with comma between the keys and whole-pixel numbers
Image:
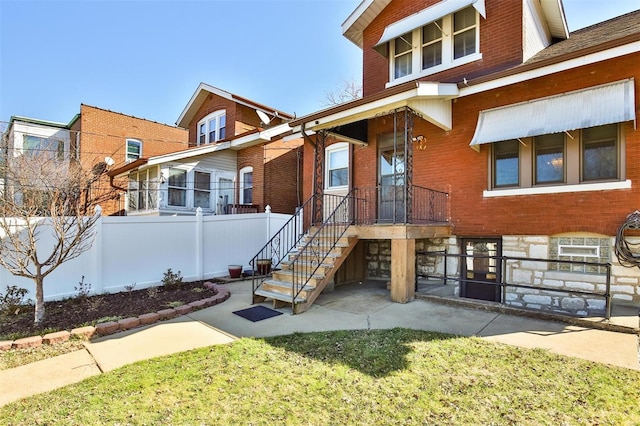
[
  {"x": 284, "y": 242},
  {"x": 500, "y": 270},
  {"x": 320, "y": 244},
  {"x": 387, "y": 204}
]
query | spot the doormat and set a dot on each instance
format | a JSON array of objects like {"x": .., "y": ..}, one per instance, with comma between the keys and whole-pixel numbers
[{"x": 257, "y": 313}]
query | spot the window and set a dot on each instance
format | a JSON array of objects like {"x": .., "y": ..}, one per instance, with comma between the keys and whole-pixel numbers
[
  {"x": 212, "y": 128},
  {"x": 432, "y": 44},
  {"x": 579, "y": 157},
  {"x": 549, "y": 158},
  {"x": 202, "y": 190},
  {"x": 134, "y": 150},
  {"x": 246, "y": 185},
  {"x": 403, "y": 55},
  {"x": 177, "y": 187},
  {"x": 600, "y": 153},
  {"x": 337, "y": 160},
  {"x": 439, "y": 45},
  {"x": 506, "y": 163},
  {"x": 38, "y": 145},
  {"x": 464, "y": 33},
  {"x": 580, "y": 249},
  {"x": 143, "y": 190}
]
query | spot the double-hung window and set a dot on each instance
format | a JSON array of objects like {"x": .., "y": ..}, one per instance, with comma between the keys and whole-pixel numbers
[
  {"x": 449, "y": 41},
  {"x": 212, "y": 128},
  {"x": 337, "y": 160},
  {"x": 246, "y": 185},
  {"x": 177, "y": 187},
  {"x": 134, "y": 150},
  {"x": 202, "y": 190}
]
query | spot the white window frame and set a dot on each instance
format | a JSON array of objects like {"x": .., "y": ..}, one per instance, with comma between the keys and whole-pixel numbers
[
  {"x": 447, "y": 52},
  {"x": 243, "y": 172},
  {"x": 332, "y": 149},
  {"x": 212, "y": 123},
  {"x": 184, "y": 188},
  {"x": 48, "y": 146},
  {"x": 208, "y": 190},
  {"x": 130, "y": 155}
]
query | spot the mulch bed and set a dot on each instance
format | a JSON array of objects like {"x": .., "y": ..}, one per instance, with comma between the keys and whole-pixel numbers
[{"x": 77, "y": 312}]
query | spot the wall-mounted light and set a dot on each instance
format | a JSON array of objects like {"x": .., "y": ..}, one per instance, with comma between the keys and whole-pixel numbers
[{"x": 421, "y": 141}]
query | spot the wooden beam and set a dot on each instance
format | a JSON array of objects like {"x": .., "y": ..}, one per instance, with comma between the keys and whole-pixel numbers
[{"x": 403, "y": 270}]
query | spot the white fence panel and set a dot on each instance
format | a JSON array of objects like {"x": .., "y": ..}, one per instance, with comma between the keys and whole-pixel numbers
[{"x": 139, "y": 250}]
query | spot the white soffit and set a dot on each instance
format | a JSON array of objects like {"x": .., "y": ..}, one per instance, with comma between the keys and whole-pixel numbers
[
  {"x": 554, "y": 14},
  {"x": 594, "y": 106},
  {"x": 427, "y": 15}
]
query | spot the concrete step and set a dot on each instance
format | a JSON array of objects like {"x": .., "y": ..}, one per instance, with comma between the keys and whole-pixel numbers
[{"x": 278, "y": 296}]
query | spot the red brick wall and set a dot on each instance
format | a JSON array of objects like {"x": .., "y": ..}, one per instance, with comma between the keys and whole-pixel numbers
[
  {"x": 283, "y": 175},
  {"x": 500, "y": 42},
  {"x": 450, "y": 164},
  {"x": 213, "y": 103},
  {"x": 104, "y": 133}
]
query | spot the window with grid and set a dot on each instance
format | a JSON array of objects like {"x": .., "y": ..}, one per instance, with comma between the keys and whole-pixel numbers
[{"x": 212, "y": 128}]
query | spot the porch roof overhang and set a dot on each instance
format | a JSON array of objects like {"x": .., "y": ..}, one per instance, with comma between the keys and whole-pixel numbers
[
  {"x": 431, "y": 100},
  {"x": 593, "y": 106},
  {"x": 430, "y": 14}
]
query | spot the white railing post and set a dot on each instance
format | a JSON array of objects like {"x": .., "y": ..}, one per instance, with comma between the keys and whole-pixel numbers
[
  {"x": 267, "y": 210},
  {"x": 199, "y": 246},
  {"x": 98, "y": 260}
]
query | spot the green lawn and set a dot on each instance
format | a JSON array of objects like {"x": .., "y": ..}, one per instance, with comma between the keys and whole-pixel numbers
[{"x": 375, "y": 377}]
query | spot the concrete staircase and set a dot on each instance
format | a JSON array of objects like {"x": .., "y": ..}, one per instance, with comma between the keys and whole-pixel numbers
[{"x": 299, "y": 270}]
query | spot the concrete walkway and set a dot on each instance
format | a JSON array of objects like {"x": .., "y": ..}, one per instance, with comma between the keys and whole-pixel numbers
[{"x": 352, "y": 307}]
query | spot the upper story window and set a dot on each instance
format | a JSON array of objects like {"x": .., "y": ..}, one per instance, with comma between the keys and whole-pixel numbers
[
  {"x": 134, "y": 150},
  {"x": 450, "y": 41},
  {"x": 246, "y": 185},
  {"x": 212, "y": 128},
  {"x": 585, "y": 156},
  {"x": 337, "y": 161},
  {"x": 37, "y": 145}
]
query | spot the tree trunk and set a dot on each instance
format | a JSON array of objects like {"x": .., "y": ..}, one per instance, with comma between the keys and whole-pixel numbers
[{"x": 39, "y": 313}]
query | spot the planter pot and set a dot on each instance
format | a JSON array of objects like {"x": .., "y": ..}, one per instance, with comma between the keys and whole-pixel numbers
[
  {"x": 263, "y": 266},
  {"x": 235, "y": 271}
]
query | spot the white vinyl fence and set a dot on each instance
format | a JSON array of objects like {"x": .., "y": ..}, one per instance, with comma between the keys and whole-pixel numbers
[{"x": 138, "y": 250}]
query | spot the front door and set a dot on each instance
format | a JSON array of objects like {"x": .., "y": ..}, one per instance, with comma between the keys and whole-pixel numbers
[
  {"x": 391, "y": 180},
  {"x": 481, "y": 269}
]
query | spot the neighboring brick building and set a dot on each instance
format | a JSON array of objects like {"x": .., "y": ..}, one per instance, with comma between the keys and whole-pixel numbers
[
  {"x": 234, "y": 164},
  {"x": 123, "y": 138},
  {"x": 524, "y": 135}
]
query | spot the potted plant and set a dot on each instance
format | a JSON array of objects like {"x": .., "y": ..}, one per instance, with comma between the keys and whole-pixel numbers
[{"x": 235, "y": 271}]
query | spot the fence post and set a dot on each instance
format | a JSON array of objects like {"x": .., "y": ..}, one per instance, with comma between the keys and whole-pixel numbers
[
  {"x": 98, "y": 259},
  {"x": 199, "y": 246},
  {"x": 267, "y": 210}
]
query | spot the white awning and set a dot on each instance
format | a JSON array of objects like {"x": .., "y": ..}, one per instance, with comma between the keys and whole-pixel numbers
[
  {"x": 595, "y": 106},
  {"x": 427, "y": 15}
]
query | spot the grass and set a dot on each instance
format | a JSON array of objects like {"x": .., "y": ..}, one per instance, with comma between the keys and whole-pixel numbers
[
  {"x": 17, "y": 357},
  {"x": 379, "y": 377}
]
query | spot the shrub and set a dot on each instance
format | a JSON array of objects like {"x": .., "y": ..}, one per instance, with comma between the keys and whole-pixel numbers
[
  {"x": 172, "y": 280},
  {"x": 83, "y": 289},
  {"x": 12, "y": 300}
]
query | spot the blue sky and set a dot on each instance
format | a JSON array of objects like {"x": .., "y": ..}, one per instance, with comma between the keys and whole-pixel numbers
[{"x": 147, "y": 57}]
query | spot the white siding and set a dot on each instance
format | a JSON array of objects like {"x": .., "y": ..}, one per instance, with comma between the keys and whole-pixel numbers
[{"x": 535, "y": 33}]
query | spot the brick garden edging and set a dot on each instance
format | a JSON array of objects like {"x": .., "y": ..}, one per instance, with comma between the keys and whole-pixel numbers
[{"x": 106, "y": 328}]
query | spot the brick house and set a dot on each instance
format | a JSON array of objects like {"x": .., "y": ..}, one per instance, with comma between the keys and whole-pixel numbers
[
  {"x": 235, "y": 163},
  {"x": 93, "y": 135},
  {"x": 124, "y": 138},
  {"x": 488, "y": 131}
]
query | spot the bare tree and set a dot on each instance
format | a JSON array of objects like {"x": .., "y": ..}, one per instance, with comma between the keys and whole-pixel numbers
[
  {"x": 45, "y": 192},
  {"x": 347, "y": 90}
]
